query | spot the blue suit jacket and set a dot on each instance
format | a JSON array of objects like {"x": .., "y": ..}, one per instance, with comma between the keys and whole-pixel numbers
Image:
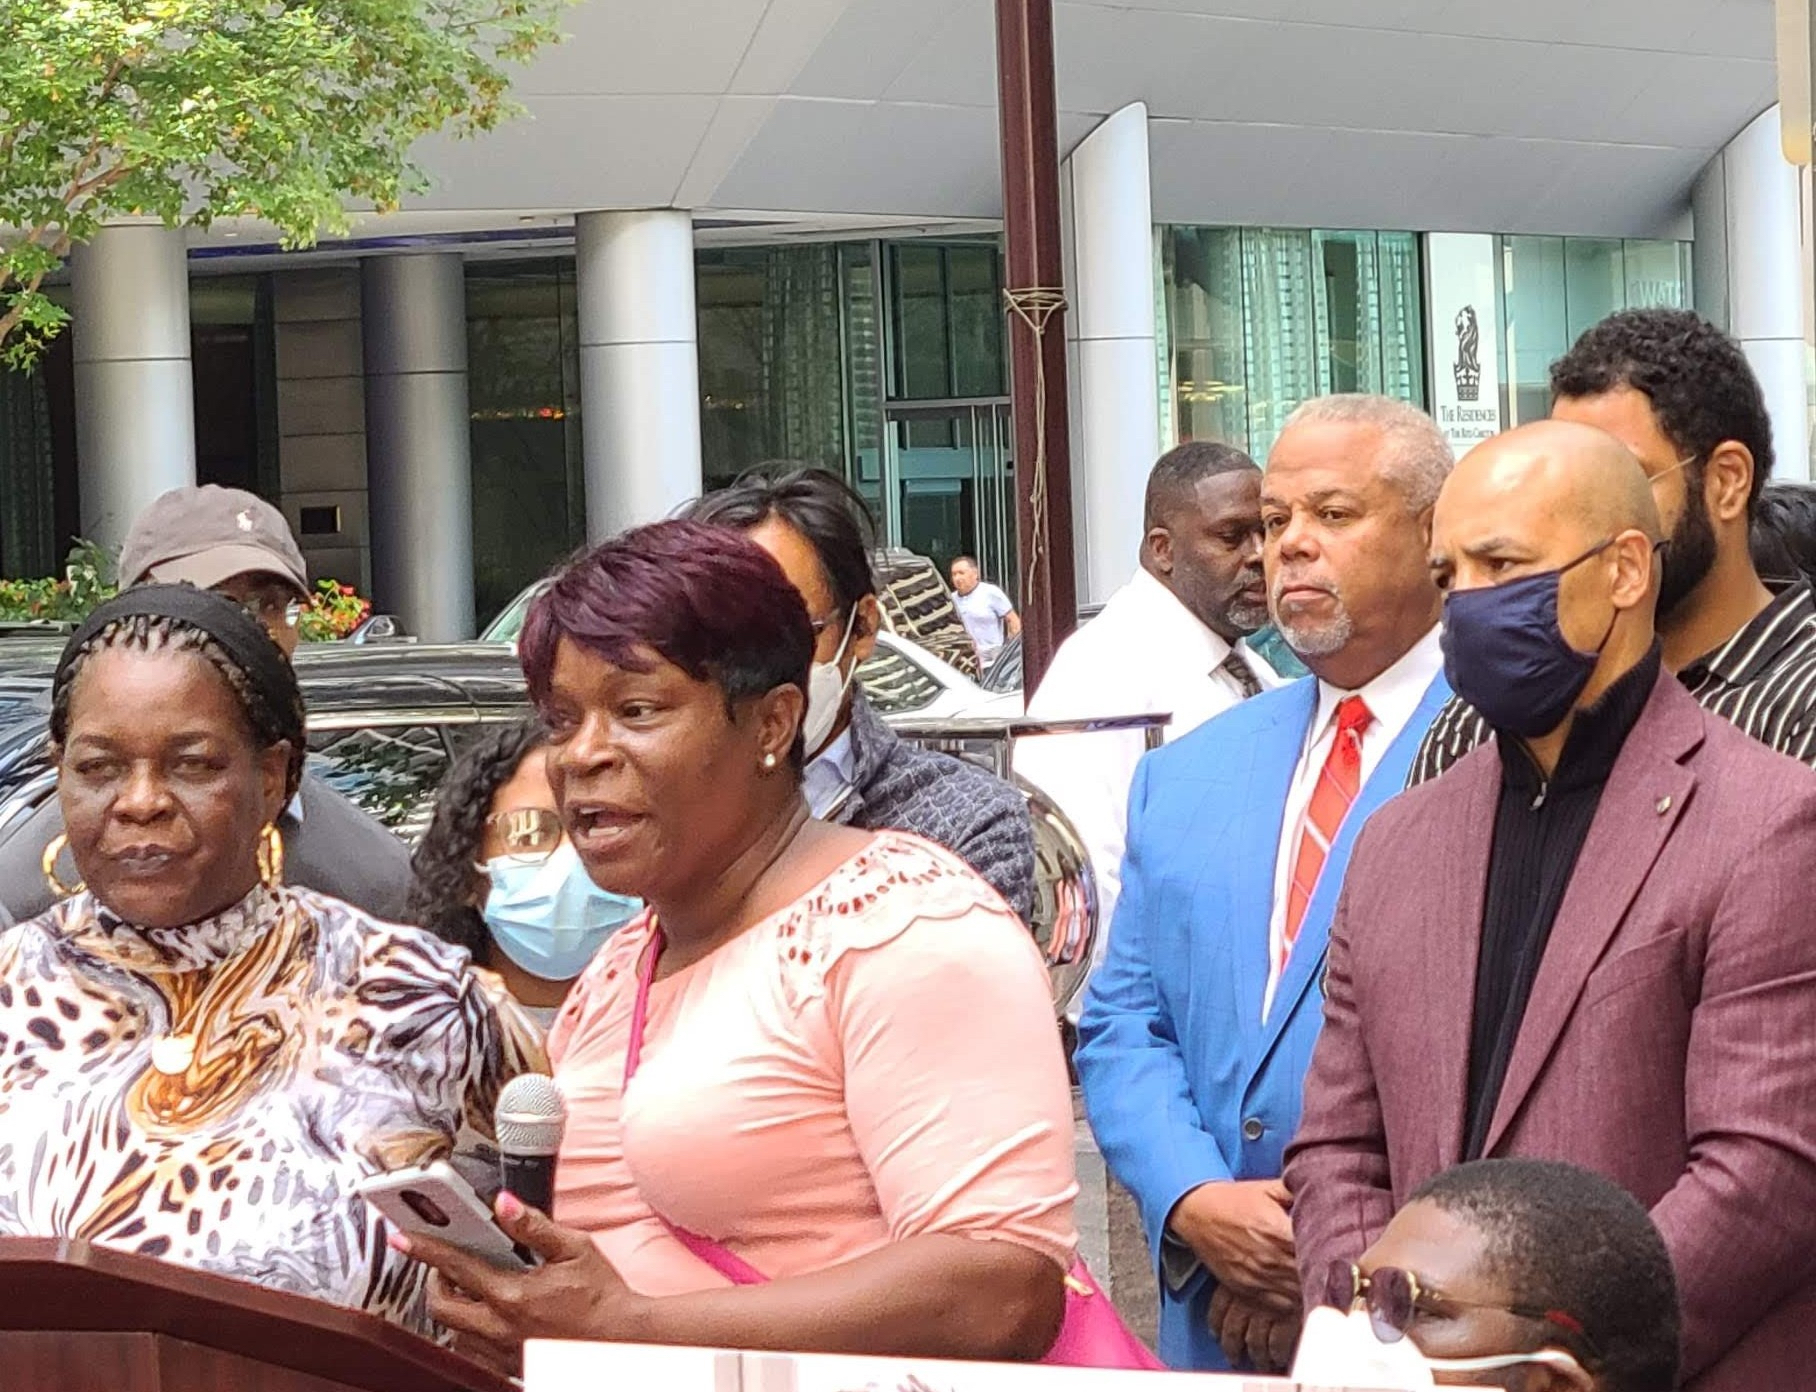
[{"x": 1184, "y": 1082}]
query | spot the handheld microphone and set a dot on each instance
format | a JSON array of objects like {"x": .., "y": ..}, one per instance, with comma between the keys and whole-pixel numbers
[{"x": 530, "y": 1118}]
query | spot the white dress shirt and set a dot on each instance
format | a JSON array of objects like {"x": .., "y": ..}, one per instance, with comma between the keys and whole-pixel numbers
[
  {"x": 1393, "y": 699},
  {"x": 1145, "y": 654},
  {"x": 828, "y": 775}
]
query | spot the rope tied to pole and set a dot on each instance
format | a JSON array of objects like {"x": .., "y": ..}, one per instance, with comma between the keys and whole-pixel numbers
[{"x": 1035, "y": 307}]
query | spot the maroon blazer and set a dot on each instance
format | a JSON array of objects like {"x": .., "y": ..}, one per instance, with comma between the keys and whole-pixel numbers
[{"x": 1669, "y": 1044}]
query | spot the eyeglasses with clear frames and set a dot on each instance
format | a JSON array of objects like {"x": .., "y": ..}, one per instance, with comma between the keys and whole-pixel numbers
[
  {"x": 1664, "y": 474},
  {"x": 264, "y": 606},
  {"x": 529, "y": 834}
]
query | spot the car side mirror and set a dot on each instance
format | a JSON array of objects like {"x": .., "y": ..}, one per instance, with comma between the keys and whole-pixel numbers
[{"x": 380, "y": 628}]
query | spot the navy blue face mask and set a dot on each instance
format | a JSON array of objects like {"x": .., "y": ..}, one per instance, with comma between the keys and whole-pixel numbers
[{"x": 1505, "y": 654}]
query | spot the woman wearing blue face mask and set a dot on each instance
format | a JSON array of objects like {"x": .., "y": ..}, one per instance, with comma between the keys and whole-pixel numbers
[{"x": 497, "y": 875}]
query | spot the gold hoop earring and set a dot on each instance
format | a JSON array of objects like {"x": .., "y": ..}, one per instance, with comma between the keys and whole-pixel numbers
[
  {"x": 271, "y": 858},
  {"x": 52, "y": 853}
]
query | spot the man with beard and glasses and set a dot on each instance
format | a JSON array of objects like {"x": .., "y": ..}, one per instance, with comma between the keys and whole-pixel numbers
[
  {"x": 1679, "y": 394},
  {"x": 1199, "y": 1026},
  {"x": 1168, "y": 642}
]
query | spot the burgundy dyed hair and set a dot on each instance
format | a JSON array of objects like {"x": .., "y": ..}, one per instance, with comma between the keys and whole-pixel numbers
[{"x": 707, "y": 599}]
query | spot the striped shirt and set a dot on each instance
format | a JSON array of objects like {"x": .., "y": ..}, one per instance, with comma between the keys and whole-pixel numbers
[{"x": 1762, "y": 680}]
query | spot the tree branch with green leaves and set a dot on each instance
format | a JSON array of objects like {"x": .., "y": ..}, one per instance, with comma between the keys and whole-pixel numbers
[{"x": 186, "y": 111}]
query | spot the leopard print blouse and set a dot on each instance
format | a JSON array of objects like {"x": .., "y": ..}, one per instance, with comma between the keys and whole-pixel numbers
[{"x": 326, "y": 1047}]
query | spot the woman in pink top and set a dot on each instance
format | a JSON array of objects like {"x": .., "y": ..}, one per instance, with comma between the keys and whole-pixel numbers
[{"x": 847, "y": 1073}]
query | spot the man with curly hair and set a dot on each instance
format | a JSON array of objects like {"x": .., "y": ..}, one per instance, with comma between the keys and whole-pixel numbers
[{"x": 1679, "y": 394}]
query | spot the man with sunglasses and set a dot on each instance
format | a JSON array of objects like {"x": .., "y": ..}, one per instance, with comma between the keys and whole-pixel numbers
[
  {"x": 237, "y": 544},
  {"x": 1526, "y": 1274},
  {"x": 1592, "y": 941},
  {"x": 1678, "y": 393}
]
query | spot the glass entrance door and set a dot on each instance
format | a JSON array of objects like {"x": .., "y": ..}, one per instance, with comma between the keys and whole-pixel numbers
[
  {"x": 948, "y": 485},
  {"x": 951, "y": 478}
]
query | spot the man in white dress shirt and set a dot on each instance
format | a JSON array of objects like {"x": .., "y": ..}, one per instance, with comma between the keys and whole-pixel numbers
[{"x": 1168, "y": 642}]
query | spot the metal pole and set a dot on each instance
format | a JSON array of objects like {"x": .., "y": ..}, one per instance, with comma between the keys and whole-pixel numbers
[{"x": 1037, "y": 338}]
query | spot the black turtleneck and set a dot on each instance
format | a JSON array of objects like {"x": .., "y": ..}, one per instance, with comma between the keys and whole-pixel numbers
[{"x": 1539, "y": 830}]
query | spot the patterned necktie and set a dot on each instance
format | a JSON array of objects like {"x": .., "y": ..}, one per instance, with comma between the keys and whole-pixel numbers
[
  {"x": 1337, "y": 787},
  {"x": 1241, "y": 673}
]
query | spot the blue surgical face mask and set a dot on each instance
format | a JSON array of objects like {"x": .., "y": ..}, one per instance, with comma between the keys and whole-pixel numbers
[
  {"x": 548, "y": 916},
  {"x": 1505, "y": 654}
]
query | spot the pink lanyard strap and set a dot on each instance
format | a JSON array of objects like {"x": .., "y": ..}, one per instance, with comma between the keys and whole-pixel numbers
[
  {"x": 722, "y": 1260},
  {"x": 646, "y": 977}
]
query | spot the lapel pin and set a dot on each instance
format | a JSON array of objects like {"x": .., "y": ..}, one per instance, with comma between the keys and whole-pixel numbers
[{"x": 1664, "y": 806}]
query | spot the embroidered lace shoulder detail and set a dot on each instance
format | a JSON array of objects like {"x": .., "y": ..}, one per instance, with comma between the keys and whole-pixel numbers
[
  {"x": 612, "y": 966},
  {"x": 875, "y": 897},
  {"x": 619, "y": 955}
]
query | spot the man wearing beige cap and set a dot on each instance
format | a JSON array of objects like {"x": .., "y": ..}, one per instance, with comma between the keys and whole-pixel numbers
[
  {"x": 226, "y": 540},
  {"x": 238, "y": 545}
]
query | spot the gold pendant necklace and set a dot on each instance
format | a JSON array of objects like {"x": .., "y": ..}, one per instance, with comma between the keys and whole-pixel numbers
[{"x": 173, "y": 1053}]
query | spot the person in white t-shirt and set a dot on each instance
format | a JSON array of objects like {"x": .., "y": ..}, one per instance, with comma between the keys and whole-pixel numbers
[
  {"x": 1168, "y": 642},
  {"x": 989, "y": 614}
]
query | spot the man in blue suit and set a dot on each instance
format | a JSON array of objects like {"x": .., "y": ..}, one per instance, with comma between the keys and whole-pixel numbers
[{"x": 1198, "y": 1028}]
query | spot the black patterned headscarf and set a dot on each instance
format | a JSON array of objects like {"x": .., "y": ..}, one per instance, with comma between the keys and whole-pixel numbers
[{"x": 219, "y": 630}]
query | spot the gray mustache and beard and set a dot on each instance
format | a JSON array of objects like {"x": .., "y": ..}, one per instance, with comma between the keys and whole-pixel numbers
[{"x": 1312, "y": 637}]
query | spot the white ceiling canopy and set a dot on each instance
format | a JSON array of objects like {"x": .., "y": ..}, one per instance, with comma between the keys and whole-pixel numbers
[{"x": 1579, "y": 116}]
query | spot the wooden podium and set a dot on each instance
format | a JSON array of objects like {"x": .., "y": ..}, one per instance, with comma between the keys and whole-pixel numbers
[{"x": 80, "y": 1318}]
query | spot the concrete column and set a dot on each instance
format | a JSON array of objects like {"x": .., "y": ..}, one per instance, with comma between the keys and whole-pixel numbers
[
  {"x": 1112, "y": 293},
  {"x": 1751, "y": 277},
  {"x": 639, "y": 366},
  {"x": 135, "y": 394},
  {"x": 321, "y": 419},
  {"x": 418, "y": 448}
]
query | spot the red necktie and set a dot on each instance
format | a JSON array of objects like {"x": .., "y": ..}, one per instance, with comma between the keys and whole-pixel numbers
[{"x": 1337, "y": 787}]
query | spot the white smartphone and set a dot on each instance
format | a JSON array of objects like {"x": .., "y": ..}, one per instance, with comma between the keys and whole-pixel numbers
[{"x": 434, "y": 1201}]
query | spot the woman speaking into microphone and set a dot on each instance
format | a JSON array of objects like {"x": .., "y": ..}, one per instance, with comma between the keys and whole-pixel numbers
[{"x": 815, "y": 1097}]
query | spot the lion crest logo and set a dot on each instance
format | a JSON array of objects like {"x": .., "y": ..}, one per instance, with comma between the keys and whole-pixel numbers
[{"x": 1469, "y": 362}]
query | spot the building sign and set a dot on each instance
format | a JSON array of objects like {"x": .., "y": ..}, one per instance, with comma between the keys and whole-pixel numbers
[{"x": 1463, "y": 337}]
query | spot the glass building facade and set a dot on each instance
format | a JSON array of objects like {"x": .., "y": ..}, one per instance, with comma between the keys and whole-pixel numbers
[
  {"x": 523, "y": 391},
  {"x": 233, "y": 352},
  {"x": 1554, "y": 288},
  {"x": 882, "y": 360},
  {"x": 1256, "y": 321},
  {"x": 790, "y": 363}
]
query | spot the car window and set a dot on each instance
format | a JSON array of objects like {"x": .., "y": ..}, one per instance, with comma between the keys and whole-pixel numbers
[
  {"x": 24, "y": 767},
  {"x": 392, "y": 774},
  {"x": 1005, "y": 672},
  {"x": 508, "y": 626},
  {"x": 18, "y": 711},
  {"x": 895, "y": 684}
]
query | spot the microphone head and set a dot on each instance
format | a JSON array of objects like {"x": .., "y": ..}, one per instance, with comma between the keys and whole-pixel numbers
[{"x": 531, "y": 1116}]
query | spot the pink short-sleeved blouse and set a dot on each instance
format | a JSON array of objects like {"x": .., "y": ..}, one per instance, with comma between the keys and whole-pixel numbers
[{"x": 877, "y": 1062}]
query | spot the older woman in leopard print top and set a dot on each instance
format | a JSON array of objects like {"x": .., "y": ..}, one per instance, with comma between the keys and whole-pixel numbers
[{"x": 197, "y": 1062}]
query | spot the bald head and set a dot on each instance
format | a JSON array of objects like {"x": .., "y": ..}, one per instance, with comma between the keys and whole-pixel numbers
[
  {"x": 1570, "y": 480},
  {"x": 1567, "y": 508}
]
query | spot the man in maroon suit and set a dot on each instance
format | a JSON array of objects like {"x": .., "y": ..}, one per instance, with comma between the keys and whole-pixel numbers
[{"x": 1594, "y": 939}]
